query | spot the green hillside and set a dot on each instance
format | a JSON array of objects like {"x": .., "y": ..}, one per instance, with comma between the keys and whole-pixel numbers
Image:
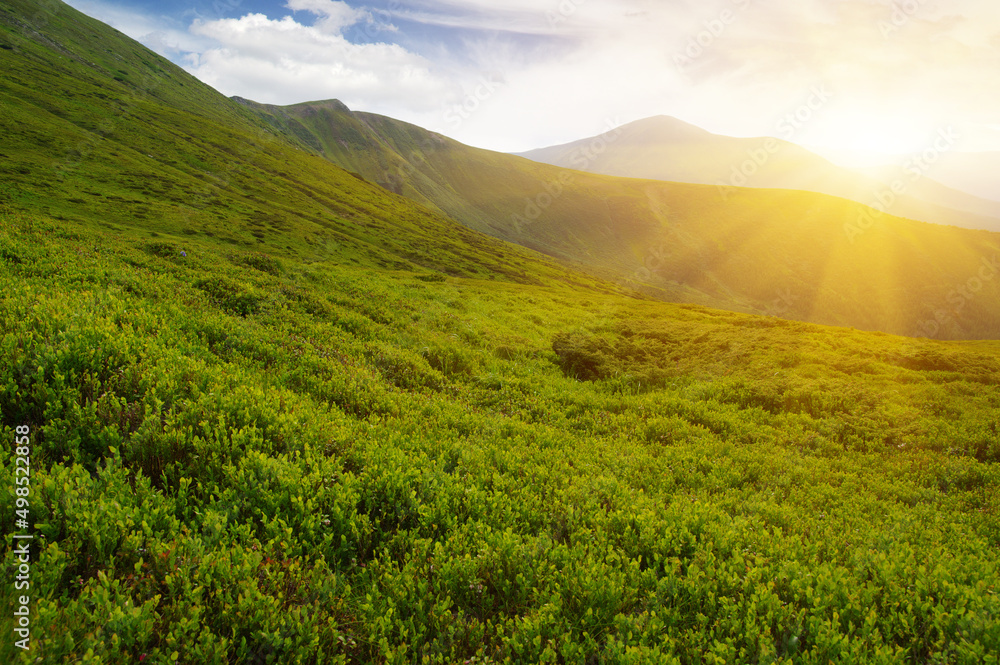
[
  {"x": 400, "y": 157},
  {"x": 664, "y": 148},
  {"x": 793, "y": 254},
  {"x": 275, "y": 414},
  {"x": 98, "y": 128}
]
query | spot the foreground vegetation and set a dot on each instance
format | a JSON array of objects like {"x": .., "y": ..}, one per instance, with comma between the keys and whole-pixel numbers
[
  {"x": 249, "y": 459},
  {"x": 279, "y": 414}
]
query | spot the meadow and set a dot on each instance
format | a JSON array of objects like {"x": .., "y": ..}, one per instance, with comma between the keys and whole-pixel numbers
[
  {"x": 761, "y": 250},
  {"x": 276, "y": 413},
  {"x": 243, "y": 458}
]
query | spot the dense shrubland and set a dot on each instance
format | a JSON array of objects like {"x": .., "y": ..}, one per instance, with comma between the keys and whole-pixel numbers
[
  {"x": 246, "y": 459},
  {"x": 279, "y": 414}
]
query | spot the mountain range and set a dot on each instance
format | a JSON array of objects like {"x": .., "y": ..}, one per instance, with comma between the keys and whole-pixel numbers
[
  {"x": 794, "y": 253},
  {"x": 434, "y": 405},
  {"x": 970, "y": 172},
  {"x": 188, "y": 165},
  {"x": 664, "y": 148}
]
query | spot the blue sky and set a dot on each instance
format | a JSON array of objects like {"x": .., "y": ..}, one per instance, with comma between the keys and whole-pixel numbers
[{"x": 875, "y": 75}]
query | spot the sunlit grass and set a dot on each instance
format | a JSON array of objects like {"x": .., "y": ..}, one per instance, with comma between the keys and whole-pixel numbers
[
  {"x": 391, "y": 467},
  {"x": 279, "y": 414}
]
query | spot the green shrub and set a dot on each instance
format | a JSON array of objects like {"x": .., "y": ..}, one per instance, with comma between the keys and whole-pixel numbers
[
  {"x": 406, "y": 369},
  {"x": 164, "y": 250},
  {"x": 230, "y": 296},
  {"x": 450, "y": 360},
  {"x": 581, "y": 356},
  {"x": 263, "y": 263}
]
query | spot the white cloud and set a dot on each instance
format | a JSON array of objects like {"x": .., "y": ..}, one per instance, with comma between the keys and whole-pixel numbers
[
  {"x": 335, "y": 15},
  {"x": 556, "y": 70},
  {"x": 555, "y": 18},
  {"x": 283, "y": 61},
  {"x": 160, "y": 33}
]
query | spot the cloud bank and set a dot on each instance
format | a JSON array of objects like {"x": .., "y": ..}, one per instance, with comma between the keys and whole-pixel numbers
[{"x": 516, "y": 74}]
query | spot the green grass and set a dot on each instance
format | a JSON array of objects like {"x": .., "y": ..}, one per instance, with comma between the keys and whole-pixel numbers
[
  {"x": 800, "y": 255},
  {"x": 276, "y": 464},
  {"x": 302, "y": 419},
  {"x": 164, "y": 153}
]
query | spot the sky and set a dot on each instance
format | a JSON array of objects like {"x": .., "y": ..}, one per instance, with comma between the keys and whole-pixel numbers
[{"x": 841, "y": 76}]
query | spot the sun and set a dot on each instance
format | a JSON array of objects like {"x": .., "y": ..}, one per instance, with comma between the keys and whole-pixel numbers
[{"x": 877, "y": 134}]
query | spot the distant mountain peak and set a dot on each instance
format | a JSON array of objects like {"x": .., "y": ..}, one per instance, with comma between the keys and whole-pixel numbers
[
  {"x": 667, "y": 125},
  {"x": 327, "y": 105},
  {"x": 334, "y": 105},
  {"x": 666, "y": 148}
]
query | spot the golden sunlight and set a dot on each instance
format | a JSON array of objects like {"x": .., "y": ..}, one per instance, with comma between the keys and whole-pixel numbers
[{"x": 878, "y": 133}]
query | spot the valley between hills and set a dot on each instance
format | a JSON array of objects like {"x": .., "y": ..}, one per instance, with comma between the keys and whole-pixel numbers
[{"x": 309, "y": 385}]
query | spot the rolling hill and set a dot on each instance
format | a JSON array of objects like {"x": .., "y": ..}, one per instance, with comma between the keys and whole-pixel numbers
[
  {"x": 129, "y": 139},
  {"x": 794, "y": 254},
  {"x": 665, "y": 148},
  {"x": 973, "y": 172},
  {"x": 968, "y": 172},
  {"x": 258, "y": 410}
]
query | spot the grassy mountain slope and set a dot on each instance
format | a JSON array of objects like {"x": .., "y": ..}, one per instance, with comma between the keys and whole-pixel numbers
[
  {"x": 398, "y": 156},
  {"x": 97, "y": 127},
  {"x": 664, "y": 148},
  {"x": 310, "y": 445},
  {"x": 794, "y": 254},
  {"x": 304, "y": 462}
]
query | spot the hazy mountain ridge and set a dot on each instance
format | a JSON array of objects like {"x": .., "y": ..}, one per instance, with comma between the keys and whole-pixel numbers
[
  {"x": 968, "y": 172},
  {"x": 260, "y": 411},
  {"x": 665, "y": 148},
  {"x": 735, "y": 248}
]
